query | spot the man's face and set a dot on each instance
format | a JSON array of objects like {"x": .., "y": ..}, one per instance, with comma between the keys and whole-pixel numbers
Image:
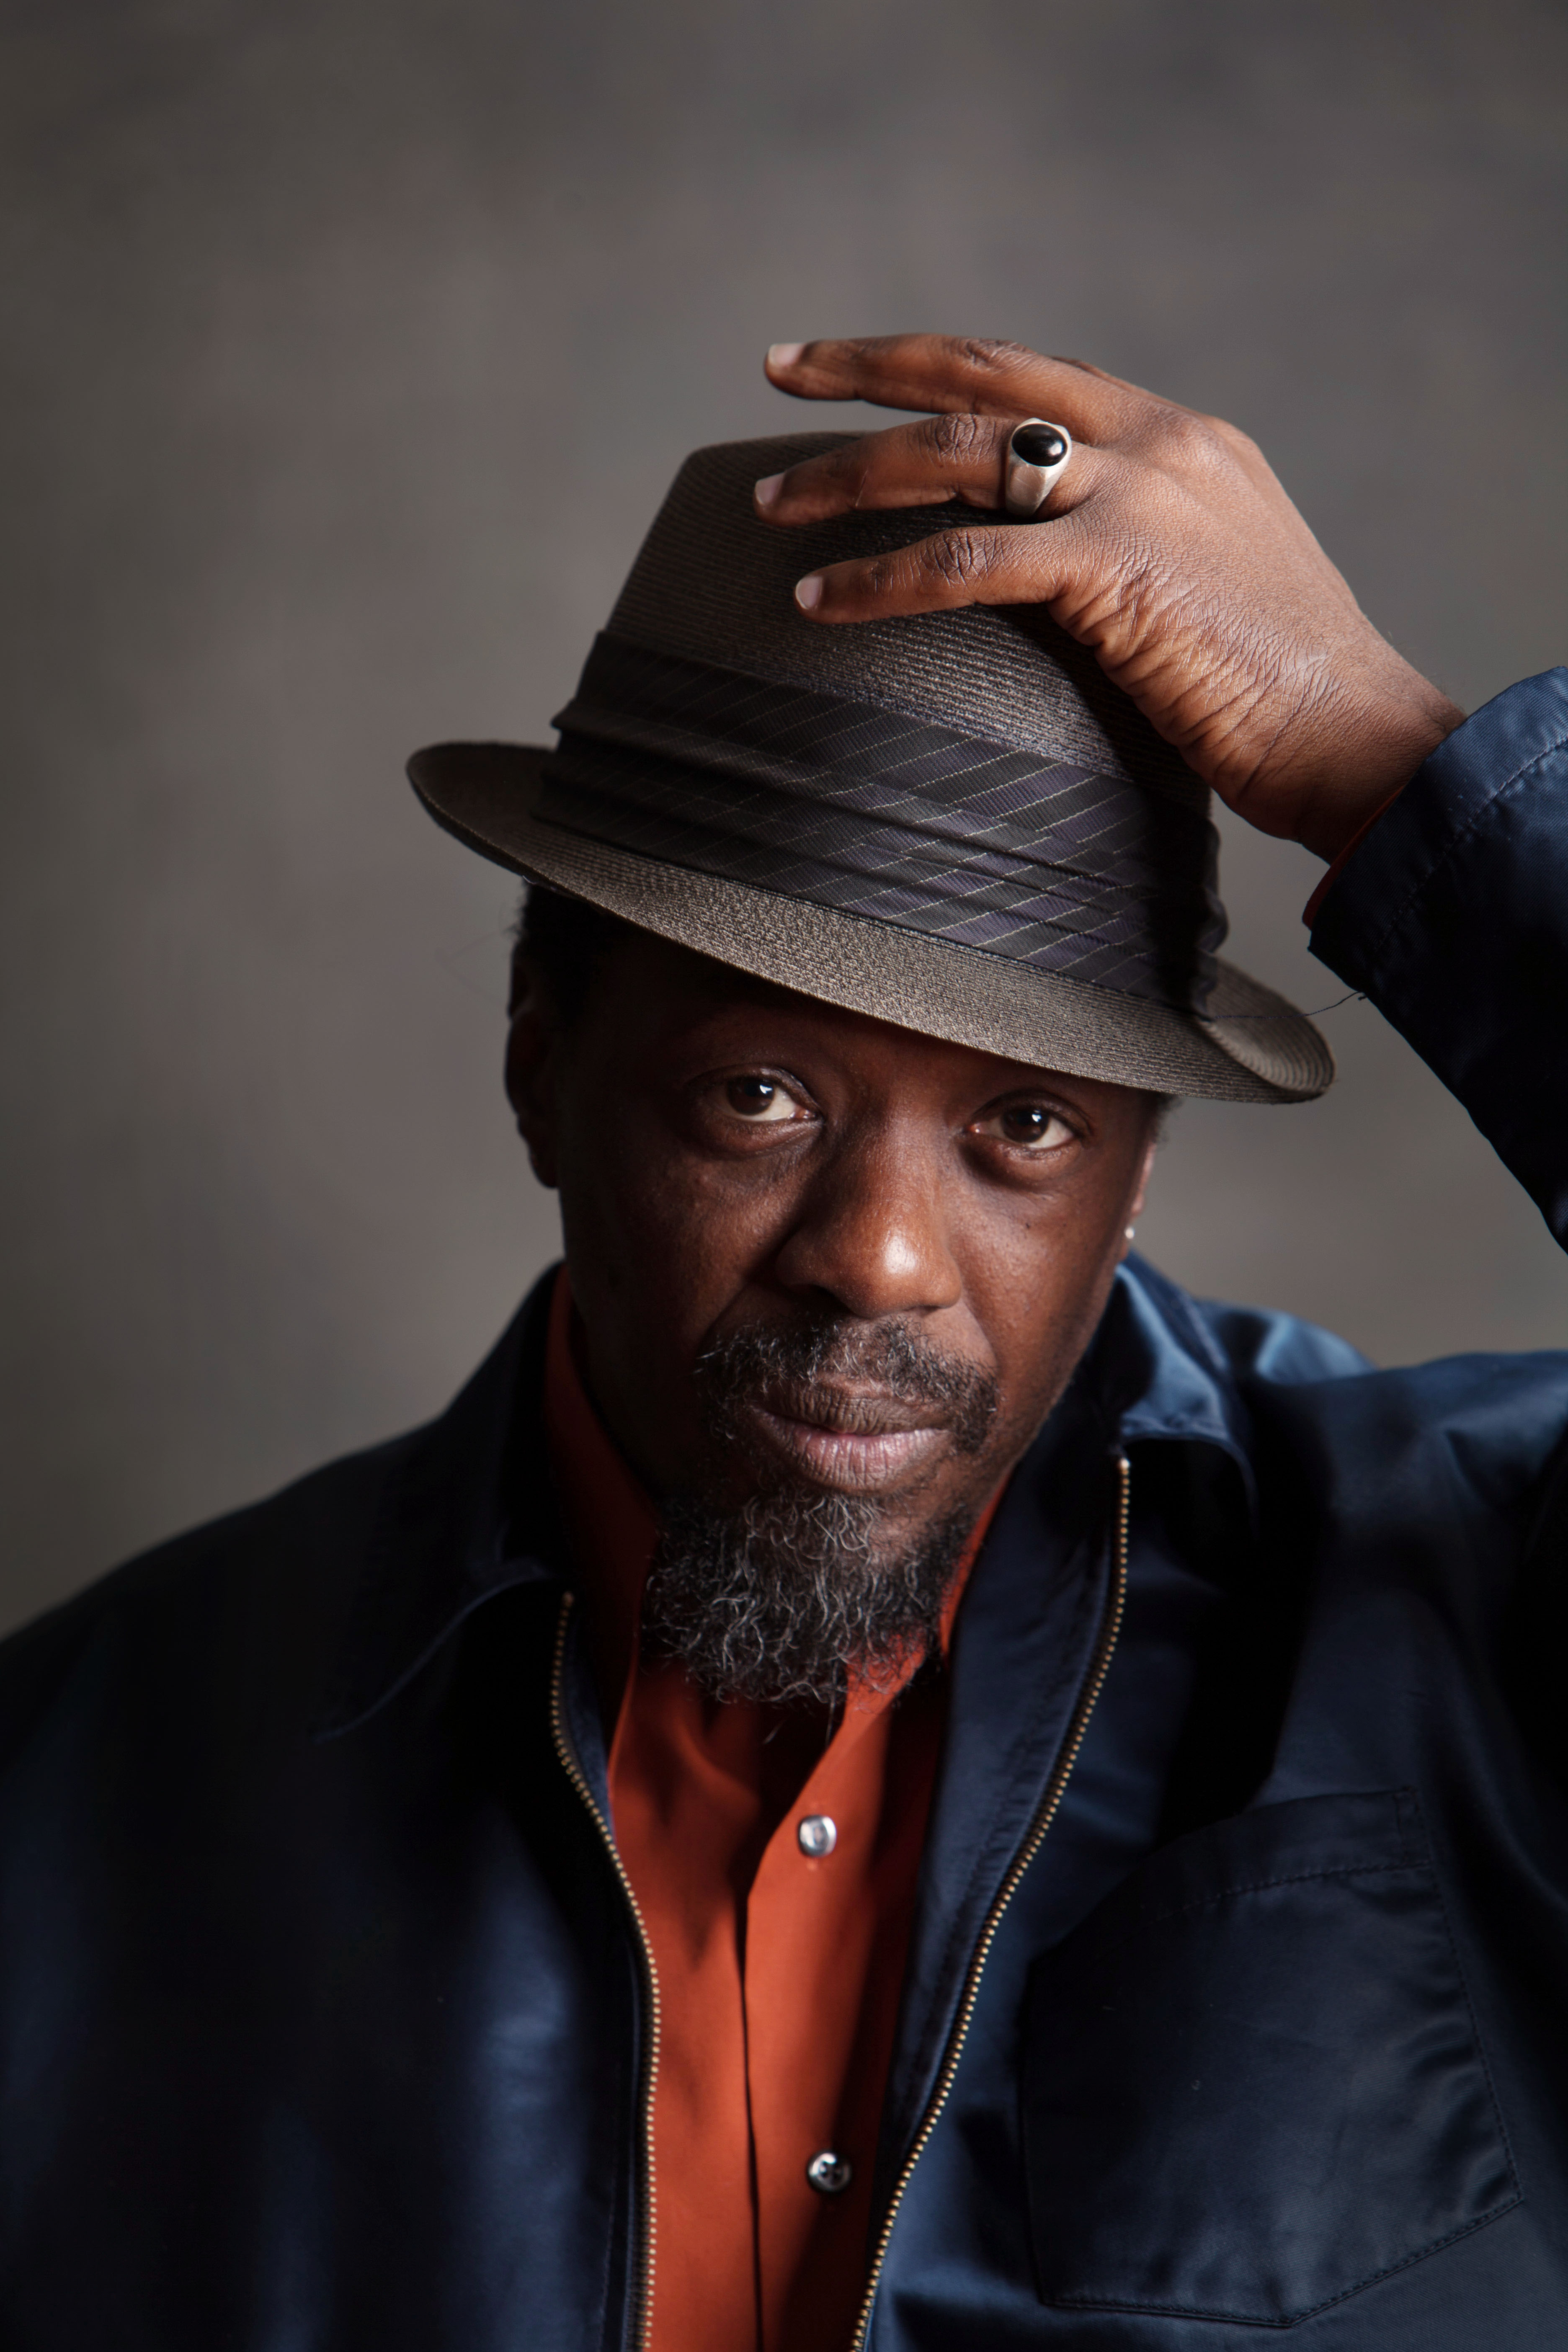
[{"x": 815, "y": 1255}]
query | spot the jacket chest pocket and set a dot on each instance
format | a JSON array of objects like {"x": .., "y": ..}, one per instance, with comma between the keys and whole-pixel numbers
[{"x": 1252, "y": 2083}]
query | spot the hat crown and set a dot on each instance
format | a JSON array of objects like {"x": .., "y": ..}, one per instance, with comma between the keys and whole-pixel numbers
[{"x": 712, "y": 582}]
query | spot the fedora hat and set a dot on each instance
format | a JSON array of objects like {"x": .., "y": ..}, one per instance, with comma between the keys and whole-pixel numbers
[{"x": 953, "y": 822}]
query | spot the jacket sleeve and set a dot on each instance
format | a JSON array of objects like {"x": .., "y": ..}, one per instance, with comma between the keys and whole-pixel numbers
[{"x": 1451, "y": 914}]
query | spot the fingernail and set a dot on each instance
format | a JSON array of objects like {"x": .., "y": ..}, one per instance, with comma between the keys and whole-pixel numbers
[
  {"x": 782, "y": 356},
  {"x": 808, "y": 592},
  {"x": 767, "y": 491}
]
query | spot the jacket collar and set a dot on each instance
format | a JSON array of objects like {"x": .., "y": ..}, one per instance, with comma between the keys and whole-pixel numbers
[
  {"x": 469, "y": 1508},
  {"x": 468, "y": 1511},
  {"x": 1160, "y": 1374}
]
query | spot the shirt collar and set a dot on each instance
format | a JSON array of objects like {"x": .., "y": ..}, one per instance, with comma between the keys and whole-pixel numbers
[{"x": 607, "y": 1508}]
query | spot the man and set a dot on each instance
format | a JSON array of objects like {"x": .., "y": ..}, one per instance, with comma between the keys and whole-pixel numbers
[{"x": 882, "y": 1777}]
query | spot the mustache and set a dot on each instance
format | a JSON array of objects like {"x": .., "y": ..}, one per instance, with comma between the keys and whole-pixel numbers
[{"x": 858, "y": 1378}]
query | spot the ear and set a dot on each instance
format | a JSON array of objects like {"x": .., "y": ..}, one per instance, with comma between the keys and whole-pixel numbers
[
  {"x": 532, "y": 1068},
  {"x": 1134, "y": 1208},
  {"x": 1145, "y": 1169}
]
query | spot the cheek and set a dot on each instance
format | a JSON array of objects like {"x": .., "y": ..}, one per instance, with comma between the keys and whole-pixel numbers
[
  {"x": 1037, "y": 1280},
  {"x": 660, "y": 1252},
  {"x": 659, "y": 1219}
]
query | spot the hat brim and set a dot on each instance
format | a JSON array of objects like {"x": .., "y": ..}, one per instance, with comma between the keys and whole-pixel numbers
[{"x": 1250, "y": 1046}]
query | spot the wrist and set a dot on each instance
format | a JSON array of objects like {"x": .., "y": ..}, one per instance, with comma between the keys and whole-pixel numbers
[{"x": 1377, "y": 747}]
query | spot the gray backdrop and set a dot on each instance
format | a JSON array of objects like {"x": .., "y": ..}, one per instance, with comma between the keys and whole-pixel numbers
[{"x": 348, "y": 348}]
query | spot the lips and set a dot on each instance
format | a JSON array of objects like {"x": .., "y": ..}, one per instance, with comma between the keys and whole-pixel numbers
[
  {"x": 853, "y": 1440},
  {"x": 841, "y": 1407}
]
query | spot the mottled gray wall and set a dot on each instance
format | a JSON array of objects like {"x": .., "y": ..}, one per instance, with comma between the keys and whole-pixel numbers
[{"x": 348, "y": 347}]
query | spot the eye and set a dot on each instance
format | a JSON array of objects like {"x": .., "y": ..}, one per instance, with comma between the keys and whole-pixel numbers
[
  {"x": 761, "y": 1102},
  {"x": 1034, "y": 1128}
]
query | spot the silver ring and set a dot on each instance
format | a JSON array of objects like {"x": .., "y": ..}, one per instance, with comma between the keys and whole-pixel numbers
[{"x": 1038, "y": 455}]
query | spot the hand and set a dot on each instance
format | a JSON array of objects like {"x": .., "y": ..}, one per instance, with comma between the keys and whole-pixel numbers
[{"x": 1169, "y": 548}]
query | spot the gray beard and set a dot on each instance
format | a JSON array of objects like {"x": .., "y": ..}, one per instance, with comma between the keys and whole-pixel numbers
[
  {"x": 781, "y": 1599},
  {"x": 782, "y": 1596}
]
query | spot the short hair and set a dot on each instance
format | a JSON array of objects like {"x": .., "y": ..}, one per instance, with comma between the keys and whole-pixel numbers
[{"x": 569, "y": 942}]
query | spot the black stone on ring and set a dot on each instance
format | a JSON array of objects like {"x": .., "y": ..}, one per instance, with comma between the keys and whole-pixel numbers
[
  {"x": 1037, "y": 453},
  {"x": 1040, "y": 444}
]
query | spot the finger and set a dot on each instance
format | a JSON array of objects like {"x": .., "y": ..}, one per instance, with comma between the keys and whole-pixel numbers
[
  {"x": 938, "y": 460},
  {"x": 952, "y": 455},
  {"x": 958, "y": 373},
  {"x": 983, "y": 563}
]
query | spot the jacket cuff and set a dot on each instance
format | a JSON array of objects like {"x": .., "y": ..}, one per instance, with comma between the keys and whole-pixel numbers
[{"x": 1359, "y": 915}]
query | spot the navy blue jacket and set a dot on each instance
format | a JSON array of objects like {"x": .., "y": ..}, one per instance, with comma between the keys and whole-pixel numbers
[{"x": 1239, "y": 1992}]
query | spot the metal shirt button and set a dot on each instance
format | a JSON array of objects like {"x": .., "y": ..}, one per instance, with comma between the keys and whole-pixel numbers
[
  {"x": 829, "y": 2174},
  {"x": 817, "y": 1835}
]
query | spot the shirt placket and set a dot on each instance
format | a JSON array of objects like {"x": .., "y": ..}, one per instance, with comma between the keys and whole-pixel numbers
[{"x": 810, "y": 1929}]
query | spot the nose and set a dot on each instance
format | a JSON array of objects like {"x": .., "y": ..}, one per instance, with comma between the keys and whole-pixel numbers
[{"x": 872, "y": 1234}]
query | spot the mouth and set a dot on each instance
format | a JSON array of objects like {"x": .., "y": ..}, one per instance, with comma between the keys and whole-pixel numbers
[{"x": 855, "y": 1441}]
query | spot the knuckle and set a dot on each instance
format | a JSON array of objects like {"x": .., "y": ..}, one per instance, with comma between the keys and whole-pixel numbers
[
  {"x": 1244, "y": 448},
  {"x": 878, "y": 576},
  {"x": 862, "y": 352},
  {"x": 1230, "y": 436},
  {"x": 1191, "y": 437},
  {"x": 957, "y": 438},
  {"x": 836, "y": 479},
  {"x": 989, "y": 355},
  {"x": 960, "y": 559},
  {"x": 845, "y": 471}
]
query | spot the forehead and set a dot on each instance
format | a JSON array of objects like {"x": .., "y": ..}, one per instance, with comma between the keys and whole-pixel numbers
[{"x": 670, "y": 999}]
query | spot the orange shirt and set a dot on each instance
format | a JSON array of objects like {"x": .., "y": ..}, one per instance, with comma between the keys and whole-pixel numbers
[{"x": 779, "y": 1969}]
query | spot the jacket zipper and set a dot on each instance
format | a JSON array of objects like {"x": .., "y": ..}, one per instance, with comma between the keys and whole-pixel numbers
[
  {"x": 1111, "y": 1626},
  {"x": 574, "y": 1771}
]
